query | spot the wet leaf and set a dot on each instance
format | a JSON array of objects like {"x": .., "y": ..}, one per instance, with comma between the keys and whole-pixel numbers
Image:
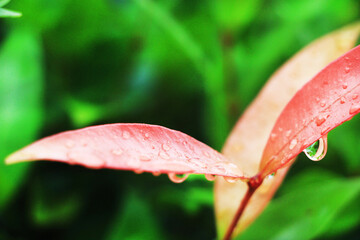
[
  {"x": 137, "y": 147},
  {"x": 328, "y": 100},
  {"x": 248, "y": 139}
]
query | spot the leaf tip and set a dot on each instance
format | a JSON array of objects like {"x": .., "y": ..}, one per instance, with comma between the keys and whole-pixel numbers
[{"x": 17, "y": 157}]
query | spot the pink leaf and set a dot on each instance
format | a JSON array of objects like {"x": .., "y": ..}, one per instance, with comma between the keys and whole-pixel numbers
[
  {"x": 137, "y": 147},
  {"x": 329, "y": 99},
  {"x": 248, "y": 139}
]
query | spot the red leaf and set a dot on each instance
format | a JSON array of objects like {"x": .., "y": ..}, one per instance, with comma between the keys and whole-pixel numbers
[
  {"x": 329, "y": 99},
  {"x": 137, "y": 147},
  {"x": 248, "y": 139}
]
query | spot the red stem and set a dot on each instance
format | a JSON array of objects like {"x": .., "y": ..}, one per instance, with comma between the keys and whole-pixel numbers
[{"x": 253, "y": 184}]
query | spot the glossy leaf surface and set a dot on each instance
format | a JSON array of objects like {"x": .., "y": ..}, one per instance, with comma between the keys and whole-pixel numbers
[
  {"x": 248, "y": 139},
  {"x": 329, "y": 99},
  {"x": 137, "y": 147}
]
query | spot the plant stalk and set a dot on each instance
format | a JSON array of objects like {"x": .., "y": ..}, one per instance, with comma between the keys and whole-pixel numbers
[{"x": 253, "y": 184}]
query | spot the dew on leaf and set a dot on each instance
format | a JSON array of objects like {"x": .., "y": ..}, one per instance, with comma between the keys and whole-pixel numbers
[
  {"x": 322, "y": 103},
  {"x": 342, "y": 100},
  {"x": 117, "y": 151},
  {"x": 354, "y": 108},
  {"x": 138, "y": 171},
  {"x": 164, "y": 155},
  {"x": 210, "y": 177},
  {"x": 317, "y": 150},
  {"x": 206, "y": 154},
  {"x": 270, "y": 176},
  {"x": 177, "y": 178},
  {"x": 126, "y": 135},
  {"x": 320, "y": 120},
  {"x": 347, "y": 69},
  {"x": 344, "y": 86},
  {"x": 287, "y": 134},
  {"x": 69, "y": 144},
  {"x": 145, "y": 158},
  {"x": 325, "y": 130},
  {"x": 273, "y": 136},
  {"x": 156, "y": 174},
  {"x": 165, "y": 147},
  {"x": 292, "y": 144},
  {"x": 230, "y": 179},
  {"x": 354, "y": 96}
]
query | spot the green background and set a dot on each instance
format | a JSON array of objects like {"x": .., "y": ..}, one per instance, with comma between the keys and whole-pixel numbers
[{"x": 192, "y": 66}]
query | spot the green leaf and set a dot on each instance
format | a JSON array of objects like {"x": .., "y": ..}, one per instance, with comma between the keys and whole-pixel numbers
[
  {"x": 347, "y": 219},
  {"x": 234, "y": 14},
  {"x": 134, "y": 221},
  {"x": 4, "y": 2},
  {"x": 175, "y": 30},
  {"x": 21, "y": 83},
  {"x": 53, "y": 209},
  {"x": 305, "y": 211},
  {"x": 9, "y": 13}
]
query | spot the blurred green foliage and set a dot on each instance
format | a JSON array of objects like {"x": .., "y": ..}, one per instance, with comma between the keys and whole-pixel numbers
[
  {"x": 193, "y": 66},
  {"x": 5, "y": 12}
]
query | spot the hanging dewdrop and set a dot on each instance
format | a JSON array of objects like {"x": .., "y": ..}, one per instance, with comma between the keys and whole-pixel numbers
[{"x": 317, "y": 150}]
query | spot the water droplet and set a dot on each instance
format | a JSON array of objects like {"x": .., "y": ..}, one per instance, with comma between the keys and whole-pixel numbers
[
  {"x": 146, "y": 135},
  {"x": 145, "y": 158},
  {"x": 317, "y": 99},
  {"x": 342, "y": 100},
  {"x": 292, "y": 144},
  {"x": 344, "y": 86},
  {"x": 273, "y": 158},
  {"x": 210, "y": 177},
  {"x": 156, "y": 174},
  {"x": 230, "y": 179},
  {"x": 354, "y": 96},
  {"x": 317, "y": 150},
  {"x": 138, "y": 171},
  {"x": 273, "y": 136},
  {"x": 347, "y": 69},
  {"x": 117, "y": 151},
  {"x": 270, "y": 176},
  {"x": 322, "y": 103},
  {"x": 177, "y": 178},
  {"x": 206, "y": 154},
  {"x": 320, "y": 120},
  {"x": 355, "y": 108},
  {"x": 70, "y": 144},
  {"x": 165, "y": 147},
  {"x": 287, "y": 134},
  {"x": 280, "y": 129},
  {"x": 164, "y": 155},
  {"x": 126, "y": 135}
]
